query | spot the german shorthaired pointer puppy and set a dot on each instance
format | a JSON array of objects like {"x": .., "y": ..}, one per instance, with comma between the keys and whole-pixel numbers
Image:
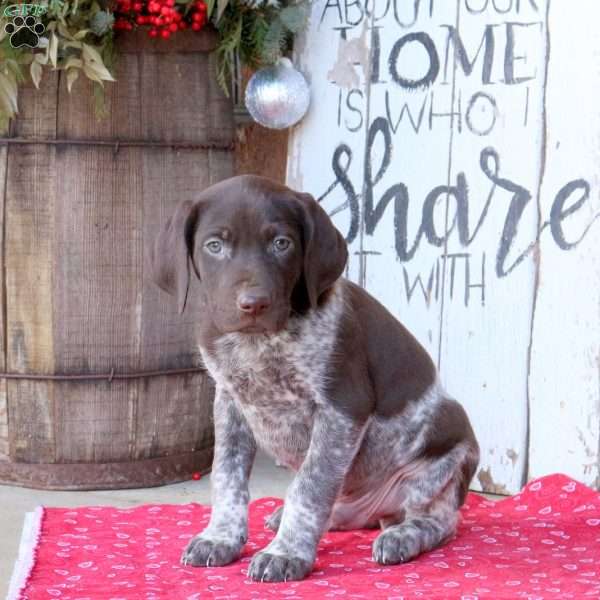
[{"x": 314, "y": 370}]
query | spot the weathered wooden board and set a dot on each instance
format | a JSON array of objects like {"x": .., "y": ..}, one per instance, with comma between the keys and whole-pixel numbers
[
  {"x": 430, "y": 128},
  {"x": 565, "y": 361},
  {"x": 494, "y": 102},
  {"x": 29, "y": 206},
  {"x": 4, "y": 444}
]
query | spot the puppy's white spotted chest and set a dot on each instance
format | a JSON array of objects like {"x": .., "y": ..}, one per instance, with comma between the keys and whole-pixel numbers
[{"x": 278, "y": 380}]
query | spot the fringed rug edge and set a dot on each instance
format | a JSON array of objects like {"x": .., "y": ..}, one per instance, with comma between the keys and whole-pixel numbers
[{"x": 30, "y": 538}]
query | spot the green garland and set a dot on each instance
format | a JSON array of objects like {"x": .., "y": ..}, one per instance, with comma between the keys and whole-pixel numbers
[
  {"x": 258, "y": 32},
  {"x": 79, "y": 39}
]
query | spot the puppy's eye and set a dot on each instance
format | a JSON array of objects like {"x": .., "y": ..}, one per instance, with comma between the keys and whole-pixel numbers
[
  {"x": 281, "y": 244},
  {"x": 214, "y": 246}
]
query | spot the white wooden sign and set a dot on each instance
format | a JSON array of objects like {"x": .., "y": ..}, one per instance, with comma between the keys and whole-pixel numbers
[{"x": 456, "y": 143}]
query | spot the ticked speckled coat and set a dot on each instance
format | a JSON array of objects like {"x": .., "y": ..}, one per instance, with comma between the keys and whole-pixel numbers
[{"x": 314, "y": 370}]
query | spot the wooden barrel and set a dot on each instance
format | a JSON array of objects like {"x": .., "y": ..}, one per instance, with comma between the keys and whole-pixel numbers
[{"x": 101, "y": 384}]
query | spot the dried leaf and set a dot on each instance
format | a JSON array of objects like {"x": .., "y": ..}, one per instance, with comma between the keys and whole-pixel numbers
[
  {"x": 101, "y": 106},
  {"x": 90, "y": 54},
  {"x": 53, "y": 49},
  {"x": 63, "y": 31},
  {"x": 9, "y": 82},
  {"x": 40, "y": 59},
  {"x": 90, "y": 74},
  {"x": 36, "y": 73},
  {"x": 99, "y": 69},
  {"x": 6, "y": 109},
  {"x": 8, "y": 95},
  {"x": 93, "y": 61},
  {"x": 75, "y": 63},
  {"x": 221, "y": 6},
  {"x": 72, "y": 45},
  {"x": 72, "y": 75}
]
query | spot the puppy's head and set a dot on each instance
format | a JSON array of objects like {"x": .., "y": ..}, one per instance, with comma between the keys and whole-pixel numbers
[{"x": 260, "y": 250}]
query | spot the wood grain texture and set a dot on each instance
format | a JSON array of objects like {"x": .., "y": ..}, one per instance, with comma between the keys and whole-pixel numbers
[
  {"x": 98, "y": 287},
  {"x": 477, "y": 351},
  {"x": 79, "y": 223},
  {"x": 261, "y": 151},
  {"x": 4, "y": 444},
  {"x": 564, "y": 382},
  {"x": 167, "y": 338},
  {"x": 219, "y": 107},
  {"x": 30, "y": 203}
]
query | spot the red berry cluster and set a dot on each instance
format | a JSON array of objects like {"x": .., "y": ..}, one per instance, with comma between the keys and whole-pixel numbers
[{"x": 163, "y": 17}]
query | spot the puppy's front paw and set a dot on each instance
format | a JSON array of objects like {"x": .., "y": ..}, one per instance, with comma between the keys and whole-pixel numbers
[
  {"x": 392, "y": 547},
  {"x": 273, "y": 567},
  {"x": 202, "y": 552}
]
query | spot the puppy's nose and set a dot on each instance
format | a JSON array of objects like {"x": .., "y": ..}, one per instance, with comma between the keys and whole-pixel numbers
[{"x": 254, "y": 304}]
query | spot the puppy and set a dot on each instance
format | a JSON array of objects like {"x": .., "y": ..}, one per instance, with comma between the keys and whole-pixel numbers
[{"x": 314, "y": 370}]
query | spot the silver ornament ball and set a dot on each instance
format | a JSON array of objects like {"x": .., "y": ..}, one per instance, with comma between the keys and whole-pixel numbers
[{"x": 278, "y": 96}]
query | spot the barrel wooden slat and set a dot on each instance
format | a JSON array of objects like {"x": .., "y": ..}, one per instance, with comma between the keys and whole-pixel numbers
[
  {"x": 183, "y": 117},
  {"x": 164, "y": 342},
  {"x": 96, "y": 329},
  {"x": 219, "y": 105},
  {"x": 29, "y": 205},
  {"x": 167, "y": 338},
  {"x": 77, "y": 121},
  {"x": 4, "y": 447},
  {"x": 171, "y": 426},
  {"x": 80, "y": 220},
  {"x": 92, "y": 421},
  {"x": 180, "y": 173},
  {"x": 37, "y": 109},
  {"x": 217, "y": 163},
  {"x": 98, "y": 234}
]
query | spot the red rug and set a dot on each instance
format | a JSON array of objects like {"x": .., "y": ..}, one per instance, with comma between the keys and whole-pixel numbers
[{"x": 542, "y": 543}]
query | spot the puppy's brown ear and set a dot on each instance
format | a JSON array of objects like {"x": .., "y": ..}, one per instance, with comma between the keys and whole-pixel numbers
[
  {"x": 171, "y": 257},
  {"x": 325, "y": 253}
]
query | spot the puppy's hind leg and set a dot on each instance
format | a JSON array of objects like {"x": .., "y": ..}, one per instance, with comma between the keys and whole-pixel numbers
[{"x": 430, "y": 511}]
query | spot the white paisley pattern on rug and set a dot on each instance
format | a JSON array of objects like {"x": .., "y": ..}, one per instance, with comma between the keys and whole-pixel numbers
[{"x": 542, "y": 543}]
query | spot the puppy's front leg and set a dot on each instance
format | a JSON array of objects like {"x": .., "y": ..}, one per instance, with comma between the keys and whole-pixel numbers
[
  {"x": 310, "y": 498},
  {"x": 222, "y": 541}
]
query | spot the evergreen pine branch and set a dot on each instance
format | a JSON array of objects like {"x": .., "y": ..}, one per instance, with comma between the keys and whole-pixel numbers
[
  {"x": 274, "y": 43},
  {"x": 231, "y": 36}
]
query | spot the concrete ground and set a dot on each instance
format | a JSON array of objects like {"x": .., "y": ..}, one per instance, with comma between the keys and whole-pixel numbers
[{"x": 267, "y": 480}]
